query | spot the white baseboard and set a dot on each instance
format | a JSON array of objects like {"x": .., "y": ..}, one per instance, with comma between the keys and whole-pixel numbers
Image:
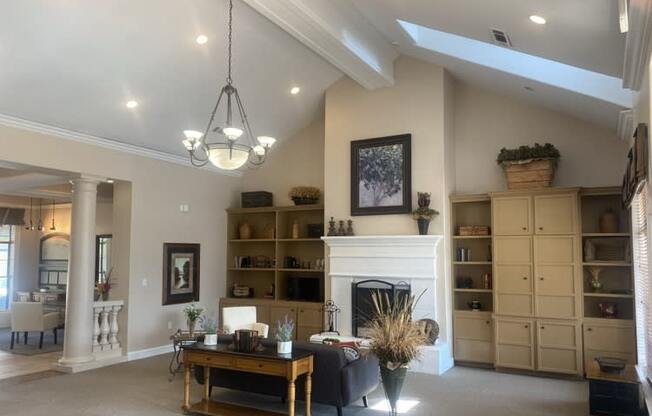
[{"x": 149, "y": 352}]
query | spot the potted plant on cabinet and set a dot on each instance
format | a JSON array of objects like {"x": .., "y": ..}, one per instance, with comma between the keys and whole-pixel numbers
[
  {"x": 192, "y": 315},
  {"x": 305, "y": 195},
  {"x": 395, "y": 340},
  {"x": 529, "y": 166},
  {"x": 424, "y": 214},
  {"x": 209, "y": 325},
  {"x": 284, "y": 333}
]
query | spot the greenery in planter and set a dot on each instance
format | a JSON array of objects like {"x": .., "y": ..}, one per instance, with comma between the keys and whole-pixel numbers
[
  {"x": 305, "y": 193},
  {"x": 192, "y": 312},
  {"x": 209, "y": 325},
  {"x": 425, "y": 213},
  {"x": 536, "y": 152},
  {"x": 284, "y": 330}
]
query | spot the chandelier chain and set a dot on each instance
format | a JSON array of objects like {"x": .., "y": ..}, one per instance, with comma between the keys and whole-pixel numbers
[{"x": 229, "y": 80}]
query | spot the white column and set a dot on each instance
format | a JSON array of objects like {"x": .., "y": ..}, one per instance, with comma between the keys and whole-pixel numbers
[{"x": 78, "y": 340}]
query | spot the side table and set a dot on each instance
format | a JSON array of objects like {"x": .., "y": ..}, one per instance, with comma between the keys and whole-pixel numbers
[{"x": 179, "y": 339}]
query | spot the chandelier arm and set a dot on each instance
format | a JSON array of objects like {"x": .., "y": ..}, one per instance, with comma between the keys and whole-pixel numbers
[
  {"x": 197, "y": 161},
  {"x": 229, "y": 80},
  {"x": 245, "y": 120},
  {"x": 210, "y": 121}
]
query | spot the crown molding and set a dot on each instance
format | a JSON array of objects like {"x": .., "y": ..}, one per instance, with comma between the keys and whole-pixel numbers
[
  {"x": 339, "y": 34},
  {"x": 625, "y": 128},
  {"x": 637, "y": 43},
  {"x": 111, "y": 144}
]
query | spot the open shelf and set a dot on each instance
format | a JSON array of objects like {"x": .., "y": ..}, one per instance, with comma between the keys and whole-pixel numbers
[
  {"x": 471, "y": 237},
  {"x": 299, "y": 240},
  {"x": 608, "y": 263},
  {"x": 609, "y": 295},
  {"x": 621, "y": 235},
  {"x": 251, "y": 269},
  {"x": 474, "y": 290},
  {"x": 471, "y": 263},
  {"x": 301, "y": 270},
  {"x": 253, "y": 240}
]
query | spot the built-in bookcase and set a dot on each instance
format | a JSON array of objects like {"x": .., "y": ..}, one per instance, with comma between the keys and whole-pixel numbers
[
  {"x": 611, "y": 254},
  {"x": 470, "y": 210},
  {"x": 270, "y": 243}
]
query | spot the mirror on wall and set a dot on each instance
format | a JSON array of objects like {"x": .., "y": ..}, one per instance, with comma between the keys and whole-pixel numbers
[{"x": 102, "y": 256}]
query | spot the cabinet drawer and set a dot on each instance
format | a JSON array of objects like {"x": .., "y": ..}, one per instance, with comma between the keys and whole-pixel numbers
[
  {"x": 514, "y": 356},
  {"x": 609, "y": 338},
  {"x": 554, "y": 250},
  {"x": 261, "y": 367},
  {"x": 558, "y": 360},
  {"x": 513, "y": 279},
  {"x": 562, "y": 307},
  {"x": 512, "y": 250},
  {"x": 514, "y": 332},
  {"x": 308, "y": 316},
  {"x": 210, "y": 359},
  {"x": 479, "y": 329},
  {"x": 511, "y": 215},
  {"x": 514, "y": 304},
  {"x": 555, "y": 214},
  {"x": 475, "y": 351}
]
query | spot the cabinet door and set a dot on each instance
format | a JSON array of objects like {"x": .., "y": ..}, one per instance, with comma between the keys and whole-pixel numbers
[
  {"x": 555, "y": 277},
  {"x": 610, "y": 338},
  {"x": 512, "y": 250},
  {"x": 473, "y": 336},
  {"x": 555, "y": 214},
  {"x": 514, "y": 343},
  {"x": 305, "y": 332},
  {"x": 511, "y": 215},
  {"x": 513, "y": 285},
  {"x": 558, "y": 347},
  {"x": 278, "y": 313},
  {"x": 468, "y": 327}
]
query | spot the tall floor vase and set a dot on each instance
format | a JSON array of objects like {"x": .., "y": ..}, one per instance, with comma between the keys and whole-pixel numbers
[{"x": 393, "y": 384}]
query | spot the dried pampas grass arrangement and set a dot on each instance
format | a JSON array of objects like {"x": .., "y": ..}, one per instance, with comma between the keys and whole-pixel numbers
[{"x": 395, "y": 337}]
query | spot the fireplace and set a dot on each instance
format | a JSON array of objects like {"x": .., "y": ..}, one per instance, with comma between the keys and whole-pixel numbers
[{"x": 362, "y": 308}]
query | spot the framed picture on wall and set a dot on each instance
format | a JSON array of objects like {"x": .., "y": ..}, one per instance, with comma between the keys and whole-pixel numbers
[
  {"x": 381, "y": 175},
  {"x": 180, "y": 273}
]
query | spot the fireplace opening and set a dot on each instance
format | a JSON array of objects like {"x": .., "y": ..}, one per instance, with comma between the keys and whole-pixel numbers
[{"x": 362, "y": 303}]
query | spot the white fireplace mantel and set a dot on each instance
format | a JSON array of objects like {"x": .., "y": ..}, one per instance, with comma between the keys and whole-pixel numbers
[{"x": 393, "y": 258}]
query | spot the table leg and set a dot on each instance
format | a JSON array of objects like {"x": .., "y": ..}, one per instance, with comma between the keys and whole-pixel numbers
[
  {"x": 186, "y": 385},
  {"x": 291, "y": 390},
  {"x": 308, "y": 392},
  {"x": 207, "y": 383}
]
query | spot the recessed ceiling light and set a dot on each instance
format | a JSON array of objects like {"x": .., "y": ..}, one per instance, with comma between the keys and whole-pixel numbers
[
  {"x": 538, "y": 19},
  {"x": 295, "y": 90},
  {"x": 201, "y": 39},
  {"x": 132, "y": 104}
]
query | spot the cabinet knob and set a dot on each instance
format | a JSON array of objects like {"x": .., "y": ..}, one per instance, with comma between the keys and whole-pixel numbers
[
  {"x": 488, "y": 322},
  {"x": 541, "y": 278},
  {"x": 540, "y": 228},
  {"x": 589, "y": 329},
  {"x": 527, "y": 326},
  {"x": 543, "y": 327},
  {"x": 524, "y": 228},
  {"x": 524, "y": 277}
]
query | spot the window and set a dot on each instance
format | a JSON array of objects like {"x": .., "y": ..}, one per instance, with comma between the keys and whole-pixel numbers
[
  {"x": 642, "y": 286},
  {"x": 6, "y": 263}
]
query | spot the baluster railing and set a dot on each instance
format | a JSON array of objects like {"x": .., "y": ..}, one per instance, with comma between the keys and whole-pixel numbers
[{"x": 106, "y": 333}]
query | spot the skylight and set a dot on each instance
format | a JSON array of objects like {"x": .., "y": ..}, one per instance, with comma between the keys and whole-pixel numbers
[{"x": 546, "y": 71}]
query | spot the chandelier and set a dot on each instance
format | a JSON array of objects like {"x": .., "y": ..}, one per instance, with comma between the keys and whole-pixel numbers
[{"x": 227, "y": 149}]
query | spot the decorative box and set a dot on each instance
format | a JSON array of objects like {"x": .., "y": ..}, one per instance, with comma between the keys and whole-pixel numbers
[
  {"x": 315, "y": 230},
  {"x": 256, "y": 199},
  {"x": 468, "y": 230}
]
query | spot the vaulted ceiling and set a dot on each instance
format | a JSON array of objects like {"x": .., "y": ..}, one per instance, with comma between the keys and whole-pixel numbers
[{"x": 74, "y": 64}]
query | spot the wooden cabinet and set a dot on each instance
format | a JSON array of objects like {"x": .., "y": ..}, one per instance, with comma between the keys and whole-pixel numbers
[
  {"x": 514, "y": 343},
  {"x": 555, "y": 214},
  {"x": 609, "y": 338},
  {"x": 473, "y": 337},
  {"x": 559, "y": 347},
  {"x": 310, "y": 321},
  {"x": 513, "y": 287},
  {"x": 555, "y": 271},
  {"x": 512, "y": 215}
]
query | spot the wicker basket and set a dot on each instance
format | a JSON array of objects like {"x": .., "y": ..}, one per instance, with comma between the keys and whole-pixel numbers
[{"x": 526, "y": 174}]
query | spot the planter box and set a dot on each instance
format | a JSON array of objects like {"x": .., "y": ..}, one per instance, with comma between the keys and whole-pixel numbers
[{"x": 526, "y": 174}]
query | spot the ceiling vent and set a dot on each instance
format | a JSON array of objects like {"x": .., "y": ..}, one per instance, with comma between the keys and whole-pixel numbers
[{"x": 500, "y": 38}]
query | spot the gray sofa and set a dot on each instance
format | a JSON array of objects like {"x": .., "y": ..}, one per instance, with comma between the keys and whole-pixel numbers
[{"x": 335, "y": 381}]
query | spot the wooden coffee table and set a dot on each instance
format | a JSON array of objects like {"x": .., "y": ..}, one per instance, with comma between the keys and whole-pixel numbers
[{"x": 267, "y": 362}]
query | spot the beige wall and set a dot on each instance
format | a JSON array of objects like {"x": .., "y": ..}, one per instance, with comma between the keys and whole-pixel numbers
[
  {"x": 157, "y": 189},
  {"x": 297, "y": 161},
  {"x": 486, "y": 122},
  {"x": 415, "y": 104}
]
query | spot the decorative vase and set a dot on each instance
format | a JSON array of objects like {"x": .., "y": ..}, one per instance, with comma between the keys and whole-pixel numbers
[
  {"x": 191, "y": 327},
  {"x": 295, "y": 229},
  {"x": 393, "y": 384},
  {"x": 284, "y": 347},
  {"x": 609, "y": 222},
  {"x": 245, "y": 231},
  {"x": 423, "y": 224},
  {"x": 210, "y": 339},
  {"x": 304, "y": 201},
  {"x": 596, "y": 284},
  {"x": 96, "y": 295},
  {"x": 105, "y": 296}
]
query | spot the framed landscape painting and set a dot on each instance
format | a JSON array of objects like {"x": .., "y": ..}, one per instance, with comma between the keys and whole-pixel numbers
[
  {"x": 180, "y": 273},
  {"x": 381, "y": 176}
]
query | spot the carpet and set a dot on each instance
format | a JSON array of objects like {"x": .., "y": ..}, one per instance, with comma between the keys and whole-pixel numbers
[
  {"x": 141, "y": 388},
  {"x": 32, "y": 343}
]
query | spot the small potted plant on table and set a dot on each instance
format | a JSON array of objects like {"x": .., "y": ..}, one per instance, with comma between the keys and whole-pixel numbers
[
  {"x": 209, "y": 325},
  {"x": 192, "y": 315},
  {"x": 395, "y": 340},
  {"x": 424, "y": 214},
  {"x": 284, "y": 333}
]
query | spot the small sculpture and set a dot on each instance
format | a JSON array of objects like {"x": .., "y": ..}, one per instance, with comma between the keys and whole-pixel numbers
[
  {"x": 341, "y": 230},
  {"x": 331, "y": 227},
  {"x": 349, "y": 228}
]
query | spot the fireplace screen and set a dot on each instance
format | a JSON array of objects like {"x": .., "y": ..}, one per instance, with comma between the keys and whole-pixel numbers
[{"x": 362, "y": 304}]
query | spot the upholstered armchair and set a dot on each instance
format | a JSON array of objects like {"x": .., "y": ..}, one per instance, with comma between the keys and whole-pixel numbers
[
  {"x": 242, "y": 317},
  {"x": 29, "y": 317}
]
